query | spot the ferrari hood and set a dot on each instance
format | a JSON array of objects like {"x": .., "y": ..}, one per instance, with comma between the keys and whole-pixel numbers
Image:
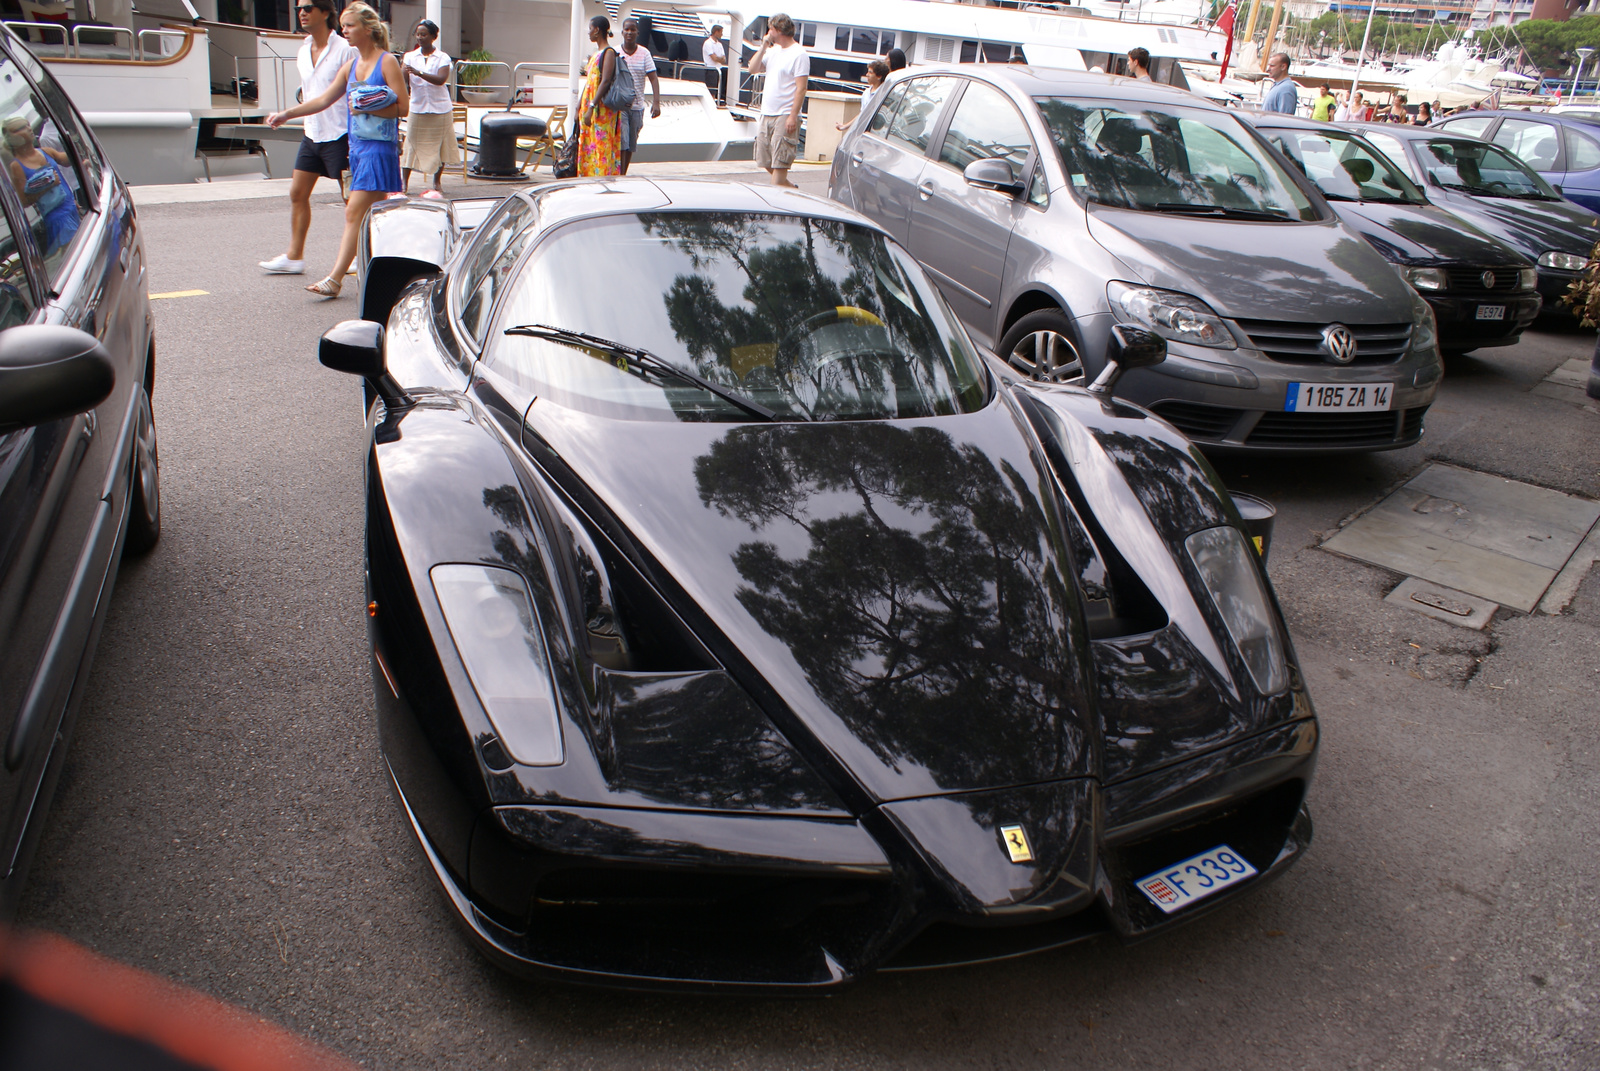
[
  {"x": 1257, "y": 271},
  {"x": 1423, "y": 234},
  {"x": 900, "y": 585}
]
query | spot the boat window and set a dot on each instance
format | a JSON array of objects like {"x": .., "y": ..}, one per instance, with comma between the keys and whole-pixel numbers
[
  {"x": 1343, "y": 168},
  {"x": 16, "y": 297},
  {"x": 815, "y": 319},
  {"x": 914, "y": 120},
  {"x": 1471, "y": 127},
  {"x": 1483, "y": 170},
  {"x": 986, "y": 125},
  {"x": 988, "y": 52},
  {"x": 1186, "y": 161},
  {"x": 500, "y": 241},
  {"x": 1583, "y": 153},
  {"x": 1535, "y": 144},
  {"x": 48, "y": 184},
  {"x": 1395, "y": 150},
  {"x": 886, "y": 111},
  {"x": 869, "y": 42}
]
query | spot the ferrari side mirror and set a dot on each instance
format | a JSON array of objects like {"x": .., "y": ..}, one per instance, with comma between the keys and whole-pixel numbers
[
  {"x": 48, "y": 372},
  {"x": 992, "y": 174},
  {"x": 356, "y": 346},
  {"x": 1128, "y": 347}
]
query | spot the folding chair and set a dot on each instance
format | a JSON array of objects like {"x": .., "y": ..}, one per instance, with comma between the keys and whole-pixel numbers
[
  {"x": 555, "y": 132},
  {"x": 458, "y": 115}
]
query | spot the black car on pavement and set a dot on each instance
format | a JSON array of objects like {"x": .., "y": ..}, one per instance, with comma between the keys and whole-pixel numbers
[
  {"x": 1481, "y": 291},
  {"x": 773, "y": 633},
  {"x": 1494, "y": 191},
  {"x": 78, "y": 464}
]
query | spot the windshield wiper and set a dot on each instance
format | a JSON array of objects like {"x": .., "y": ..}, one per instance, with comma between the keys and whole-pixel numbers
[
  {"x": 1219, "y": 211},
  {"x": 644, "y": 359}
]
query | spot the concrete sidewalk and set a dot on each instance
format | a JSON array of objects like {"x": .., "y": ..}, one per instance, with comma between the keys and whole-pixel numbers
[{"x": 809, "y": 176}]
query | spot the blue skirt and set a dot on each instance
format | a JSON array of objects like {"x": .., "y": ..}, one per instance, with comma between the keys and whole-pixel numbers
[{"x": 374, "y": 165}]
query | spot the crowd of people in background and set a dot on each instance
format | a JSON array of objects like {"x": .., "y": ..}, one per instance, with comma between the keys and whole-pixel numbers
[{"x": 1282, "y": 95}]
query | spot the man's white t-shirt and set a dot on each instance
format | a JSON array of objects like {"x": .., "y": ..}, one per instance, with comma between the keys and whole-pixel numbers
[
  {"x": 783, "y": 67},
  {"x": 427, "y": 98},
  {"x": 713, "y": 54},
  {"x": 642, "y": 64},
  {"x": 331, "y": 123}
]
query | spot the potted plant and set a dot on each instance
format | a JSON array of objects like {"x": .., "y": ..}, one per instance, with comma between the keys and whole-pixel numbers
[
  {"x": 1584, "y": 297},
  {"x": 474, "y": 73}
]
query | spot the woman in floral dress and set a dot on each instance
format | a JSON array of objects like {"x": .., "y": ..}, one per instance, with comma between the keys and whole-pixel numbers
[{"x": 600, "y": 140}]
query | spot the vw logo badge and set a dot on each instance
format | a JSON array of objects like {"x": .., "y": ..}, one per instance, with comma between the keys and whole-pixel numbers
[
  {"x": 1488, "y": 280},
  {"x": 1338, "y": 343}
]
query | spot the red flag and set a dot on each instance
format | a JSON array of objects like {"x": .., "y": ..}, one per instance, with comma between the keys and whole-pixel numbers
[{"x": 1225, "y": 24}]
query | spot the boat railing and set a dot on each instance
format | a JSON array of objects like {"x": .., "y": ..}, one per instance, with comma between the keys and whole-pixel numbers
[
  {"x": 522, "y": 79},
  {"x": 483, "y": 86},
  {"x": 160, "y": 37},
  {"x": 277, "y": 65},
  {"x": 113, "y": 31},
  {"x": 24, "y": 31}
]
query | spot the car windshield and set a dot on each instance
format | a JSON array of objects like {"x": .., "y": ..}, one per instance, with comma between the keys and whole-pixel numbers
[
  {"x": 1482, "y": 170},
  {"x": 1345, "y": 168},
  {"x": 812, "y": 319},
  {"x": 1193, "y": 161}
]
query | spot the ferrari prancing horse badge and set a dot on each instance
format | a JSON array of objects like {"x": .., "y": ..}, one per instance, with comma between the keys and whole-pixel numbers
[{"x": 1017, "y": 844}]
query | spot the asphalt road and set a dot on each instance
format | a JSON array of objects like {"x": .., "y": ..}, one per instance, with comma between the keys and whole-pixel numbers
[{"x": 225, "y": 820}]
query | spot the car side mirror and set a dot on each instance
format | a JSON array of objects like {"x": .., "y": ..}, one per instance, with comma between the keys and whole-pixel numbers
[
  {"x": 1128, "y": 347},
  {"x": 48, "y": 372},
  {"x": 356, "y": 346},
  {"x": 993, "y": 174}
]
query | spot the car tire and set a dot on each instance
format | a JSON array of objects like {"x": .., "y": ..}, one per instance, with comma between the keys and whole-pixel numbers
[
  {"x": 1040, "y": 346},
  {"x": 144, "y": 497}
]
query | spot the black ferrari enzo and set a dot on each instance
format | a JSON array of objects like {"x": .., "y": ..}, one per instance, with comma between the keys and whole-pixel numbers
[{"x": 736, "y": 623}]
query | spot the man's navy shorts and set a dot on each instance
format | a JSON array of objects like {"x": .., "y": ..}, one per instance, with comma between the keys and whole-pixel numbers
[{"x": 325, "y": 158}]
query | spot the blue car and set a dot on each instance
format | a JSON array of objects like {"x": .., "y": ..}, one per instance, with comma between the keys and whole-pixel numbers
[{"x": 1564, "y": 149}]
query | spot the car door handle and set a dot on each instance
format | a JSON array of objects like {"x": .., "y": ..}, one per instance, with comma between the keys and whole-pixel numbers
[
  {"x": 925, "y": 189},
  {"x": 857, "y": 156}
]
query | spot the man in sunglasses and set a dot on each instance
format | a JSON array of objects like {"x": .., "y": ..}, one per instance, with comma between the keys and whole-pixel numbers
[{"x": 325, "y": 150}]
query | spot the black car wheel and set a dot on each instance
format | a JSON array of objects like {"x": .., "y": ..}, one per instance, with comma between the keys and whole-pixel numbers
[
  {"x": 1040, "y": 346},
  {"x": 144, "y": 501}
]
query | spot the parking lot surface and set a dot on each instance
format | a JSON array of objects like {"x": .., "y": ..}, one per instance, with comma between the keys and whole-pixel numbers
[{"x": 225, "y": 819}]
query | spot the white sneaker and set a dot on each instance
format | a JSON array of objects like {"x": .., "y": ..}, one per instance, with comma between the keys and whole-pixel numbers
[{"x": 282, "y": 265}]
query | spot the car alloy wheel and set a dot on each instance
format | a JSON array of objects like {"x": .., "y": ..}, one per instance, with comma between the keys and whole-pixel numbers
[{"x": 1038, "y": 346}]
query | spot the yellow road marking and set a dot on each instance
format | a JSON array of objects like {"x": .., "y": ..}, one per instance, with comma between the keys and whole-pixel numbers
[{"x": 180, "y": 293}]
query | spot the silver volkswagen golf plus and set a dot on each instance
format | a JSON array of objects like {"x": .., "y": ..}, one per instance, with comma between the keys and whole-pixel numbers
[{"x": 1050, "y": 205}]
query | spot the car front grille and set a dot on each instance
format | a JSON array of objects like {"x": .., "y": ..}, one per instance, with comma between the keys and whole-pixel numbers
[
  {"x": 1301, "y": 343},
  {"x": 1198, "y": 421},
  {"x": 1471, "y": 279},
  {"x": 1336, "y": 429}
]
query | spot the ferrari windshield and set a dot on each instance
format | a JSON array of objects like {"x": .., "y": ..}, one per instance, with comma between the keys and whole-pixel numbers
[
  {"x": 1483, "y": 170},
  {"x": 812, "y": 319},
  {"x": 1161, "y": 158},
  {"x": 1345, "y": 168}
]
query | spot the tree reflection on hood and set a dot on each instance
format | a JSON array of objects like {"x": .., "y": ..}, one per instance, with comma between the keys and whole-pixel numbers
[{"x": 929, "y": 611}]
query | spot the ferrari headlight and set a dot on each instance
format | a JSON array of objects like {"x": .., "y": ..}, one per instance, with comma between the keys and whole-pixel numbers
[
  {"x": 1171, "y": 315},
  {"x": 491, "y": 621},
  {"x": 1562, "y": 261},
  {"x": 1527, "y": 278},
  {"x": 1429, "y": 279},
  {"x": 1228, "y": 568}
]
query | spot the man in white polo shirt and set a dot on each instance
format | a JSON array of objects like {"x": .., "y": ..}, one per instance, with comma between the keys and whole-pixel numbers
[
  {"x": 786, "y": 66},
  {"x": 325, "y": 150}
]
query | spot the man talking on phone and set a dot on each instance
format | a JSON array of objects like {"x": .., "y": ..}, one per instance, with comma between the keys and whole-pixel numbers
[{"x": 785, "y": 66}]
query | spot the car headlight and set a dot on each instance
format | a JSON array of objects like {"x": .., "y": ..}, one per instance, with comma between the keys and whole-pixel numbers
[
  {"x": 1174, "y": 316},
  {"x": 1228, "y": 568},
  {"x": 1429, "y": 279},
  {"x": 491, "y": 621},
  {"x": 1562, "y": 261},
  {"x": 1425, "y": 329},
  {"x": 1527, "y": 278}
]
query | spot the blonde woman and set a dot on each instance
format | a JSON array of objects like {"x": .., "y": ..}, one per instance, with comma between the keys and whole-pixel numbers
[{"x": 374, "y": 127}]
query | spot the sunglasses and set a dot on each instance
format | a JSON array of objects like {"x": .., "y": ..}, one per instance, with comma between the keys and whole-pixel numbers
[{"x": 306, "y": 7}]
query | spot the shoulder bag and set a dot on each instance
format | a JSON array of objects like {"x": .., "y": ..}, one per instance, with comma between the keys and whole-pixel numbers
[{"x": 619, "y": 98}]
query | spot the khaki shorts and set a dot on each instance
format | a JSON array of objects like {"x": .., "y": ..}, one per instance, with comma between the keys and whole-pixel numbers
[
  {"x": 775, "y": 149},
  {"x": 430, "y": 142}
]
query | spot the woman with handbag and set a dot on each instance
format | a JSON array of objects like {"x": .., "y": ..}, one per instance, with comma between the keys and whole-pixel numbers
[
  {"x": 600, "y": 130},
  {"x": 378, "y": 100}
]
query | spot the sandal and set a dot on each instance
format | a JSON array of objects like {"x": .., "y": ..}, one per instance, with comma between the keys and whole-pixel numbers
[{"x": 328, "y": 288}]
